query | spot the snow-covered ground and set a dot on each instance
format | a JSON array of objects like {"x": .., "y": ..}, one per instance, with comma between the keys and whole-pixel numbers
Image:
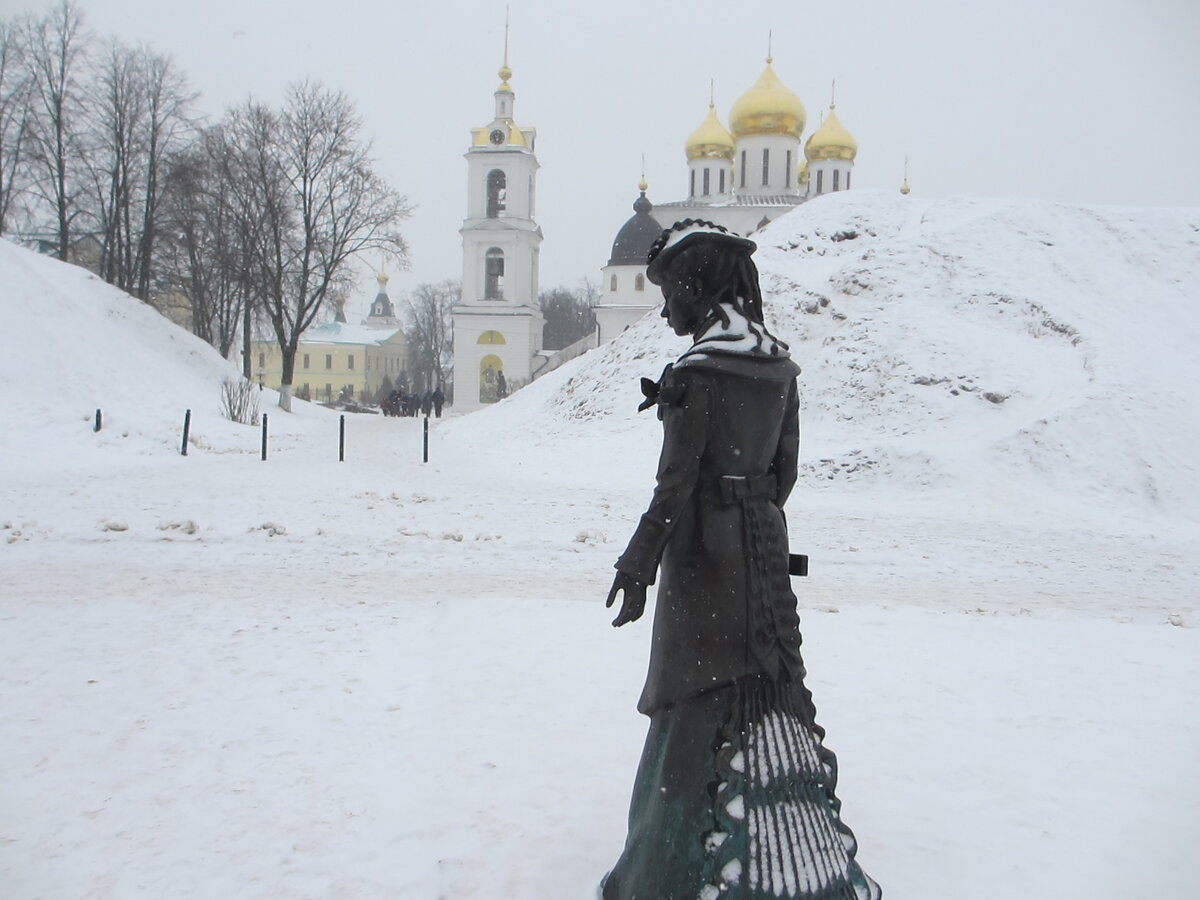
[{"x": 228, "y": 678}]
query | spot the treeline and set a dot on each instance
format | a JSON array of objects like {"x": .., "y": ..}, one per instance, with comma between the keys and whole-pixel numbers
[{"x": 104, "y": 161}]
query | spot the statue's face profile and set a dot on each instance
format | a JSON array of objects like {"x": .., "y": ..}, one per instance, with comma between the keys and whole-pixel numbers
[{"x": 682, "y": 306}]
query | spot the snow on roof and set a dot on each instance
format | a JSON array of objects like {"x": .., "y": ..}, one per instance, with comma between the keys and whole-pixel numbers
[{"x": 345, "y": 333}]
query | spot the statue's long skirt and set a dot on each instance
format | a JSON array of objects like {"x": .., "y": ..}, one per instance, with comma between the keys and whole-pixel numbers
[{"x": 734, "y": 798}]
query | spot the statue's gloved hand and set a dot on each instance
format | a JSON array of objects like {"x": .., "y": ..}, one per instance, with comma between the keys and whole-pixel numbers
[{"x": 633, "y": 598}]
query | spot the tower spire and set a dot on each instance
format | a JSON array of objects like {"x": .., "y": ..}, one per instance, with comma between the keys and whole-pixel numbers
[
  {"x": 505, "y": 72},
  {"x": 770, "y": 39}
]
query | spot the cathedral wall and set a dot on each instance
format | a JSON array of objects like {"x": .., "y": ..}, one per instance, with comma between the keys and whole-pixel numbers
[{"x": 781, "y": 171}]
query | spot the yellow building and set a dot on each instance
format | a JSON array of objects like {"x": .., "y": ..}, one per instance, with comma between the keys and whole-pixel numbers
[{"x": 338, "y": 360}]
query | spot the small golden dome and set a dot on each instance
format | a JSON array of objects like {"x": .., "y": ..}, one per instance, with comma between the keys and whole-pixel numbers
[
  {"x": 767, "y": 108},
  {"x": 642, "y": 185},
  {"x": 382, "y": 278},
  {"x": 904, "y": 188},
  {"x": 831, "y": 141},
  {"x": 711, "y": 140}
]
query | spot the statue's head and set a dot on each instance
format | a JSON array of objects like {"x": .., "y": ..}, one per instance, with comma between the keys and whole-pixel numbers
[{"x": 699, "y": 266}]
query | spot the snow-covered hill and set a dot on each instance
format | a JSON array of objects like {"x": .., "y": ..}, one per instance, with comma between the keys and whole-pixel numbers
[
  {"x": 73, "y": 344},
  {"x": 1007, "y": 351}
]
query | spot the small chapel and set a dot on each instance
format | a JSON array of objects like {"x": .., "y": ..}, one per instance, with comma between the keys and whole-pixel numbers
[{"x": 740, "y": 177}]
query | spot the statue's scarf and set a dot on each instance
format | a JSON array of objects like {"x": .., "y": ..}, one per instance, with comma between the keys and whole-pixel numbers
[{"x": 741, "y": 337}]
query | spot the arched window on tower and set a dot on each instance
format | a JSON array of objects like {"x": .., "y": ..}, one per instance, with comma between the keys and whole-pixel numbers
[
  {"x": 706, "y": 181},
  {"x": 493, "y": 271},
  {"x": 639, "y": 283},
  {"x": 836, "y": 173},
  {"x": 612, "y": 284},
  {"x": 497, "y": 191}
]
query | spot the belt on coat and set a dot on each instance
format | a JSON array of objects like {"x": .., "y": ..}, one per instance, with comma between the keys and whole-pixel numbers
[{"x": 736, "y": 488}]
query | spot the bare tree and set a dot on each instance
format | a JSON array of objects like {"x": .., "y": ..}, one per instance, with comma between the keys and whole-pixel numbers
[
  {"x": 568, "y": 313},
  {"x": 116, "y": 105},
  {"x": 14, "y": 111},
  {"x": 54, "y": 50},
  {"x": 209, "y": 235},
  {"x": 332, "y": 207},
  {"x": 167, "y": 127},
  {"x": 137, "y": 105},
  {"x": 430, "y": 336}
]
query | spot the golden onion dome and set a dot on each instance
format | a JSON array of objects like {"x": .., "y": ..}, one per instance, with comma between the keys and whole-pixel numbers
[
  {"x": 831, "y": 141},
  {"x": 767, "y": 108},
  {"x": 711, "y": 140}
]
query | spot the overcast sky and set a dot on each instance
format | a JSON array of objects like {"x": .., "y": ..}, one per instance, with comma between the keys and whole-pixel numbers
[{"x": 1090, "y": 101}]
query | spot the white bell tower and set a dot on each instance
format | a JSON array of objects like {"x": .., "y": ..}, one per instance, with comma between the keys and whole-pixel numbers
[{"x": 498, "y": 324}]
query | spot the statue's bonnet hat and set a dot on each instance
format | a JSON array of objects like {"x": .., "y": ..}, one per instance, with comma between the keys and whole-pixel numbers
[{"x": 688, "y": 233}]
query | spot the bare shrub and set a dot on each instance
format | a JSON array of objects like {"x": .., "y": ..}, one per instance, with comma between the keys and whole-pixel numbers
[{"x": 239, "y": 401}]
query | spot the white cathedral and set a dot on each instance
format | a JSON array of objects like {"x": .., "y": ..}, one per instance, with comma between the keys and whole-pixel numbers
[{"x": 742, "y": 178}]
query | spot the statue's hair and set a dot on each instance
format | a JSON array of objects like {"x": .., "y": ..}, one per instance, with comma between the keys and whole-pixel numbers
[{"x": 728, "y": 277}]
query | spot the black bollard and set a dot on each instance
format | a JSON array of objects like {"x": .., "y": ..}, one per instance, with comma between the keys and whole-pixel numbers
[
  {"x": 96, "y": 427},
  {"x": 187, "y": 426},
  {"x": 425, "y": 452},
  {"x": 342, "y": 439},
  {"x": 264, "y": 441}
]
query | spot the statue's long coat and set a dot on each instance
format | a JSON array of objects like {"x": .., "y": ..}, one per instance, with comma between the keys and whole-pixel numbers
[
  {"x": 715, "y": 529},
  {"x": 735, "y": 793}
]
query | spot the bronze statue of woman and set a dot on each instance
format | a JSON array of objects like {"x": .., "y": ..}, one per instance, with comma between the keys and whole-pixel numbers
[{"x": 734, "y": 796}]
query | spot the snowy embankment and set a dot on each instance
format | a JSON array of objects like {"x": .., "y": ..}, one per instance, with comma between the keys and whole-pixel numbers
[{"x": 227, "y": 678}]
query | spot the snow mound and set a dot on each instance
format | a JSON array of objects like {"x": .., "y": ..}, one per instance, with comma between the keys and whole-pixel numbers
[
  {"x": 966, "y": 349},
  {"x": 76, "y": 344}
]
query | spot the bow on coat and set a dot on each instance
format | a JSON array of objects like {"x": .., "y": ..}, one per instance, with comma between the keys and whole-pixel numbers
[{"x": 666, "y": 391}]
